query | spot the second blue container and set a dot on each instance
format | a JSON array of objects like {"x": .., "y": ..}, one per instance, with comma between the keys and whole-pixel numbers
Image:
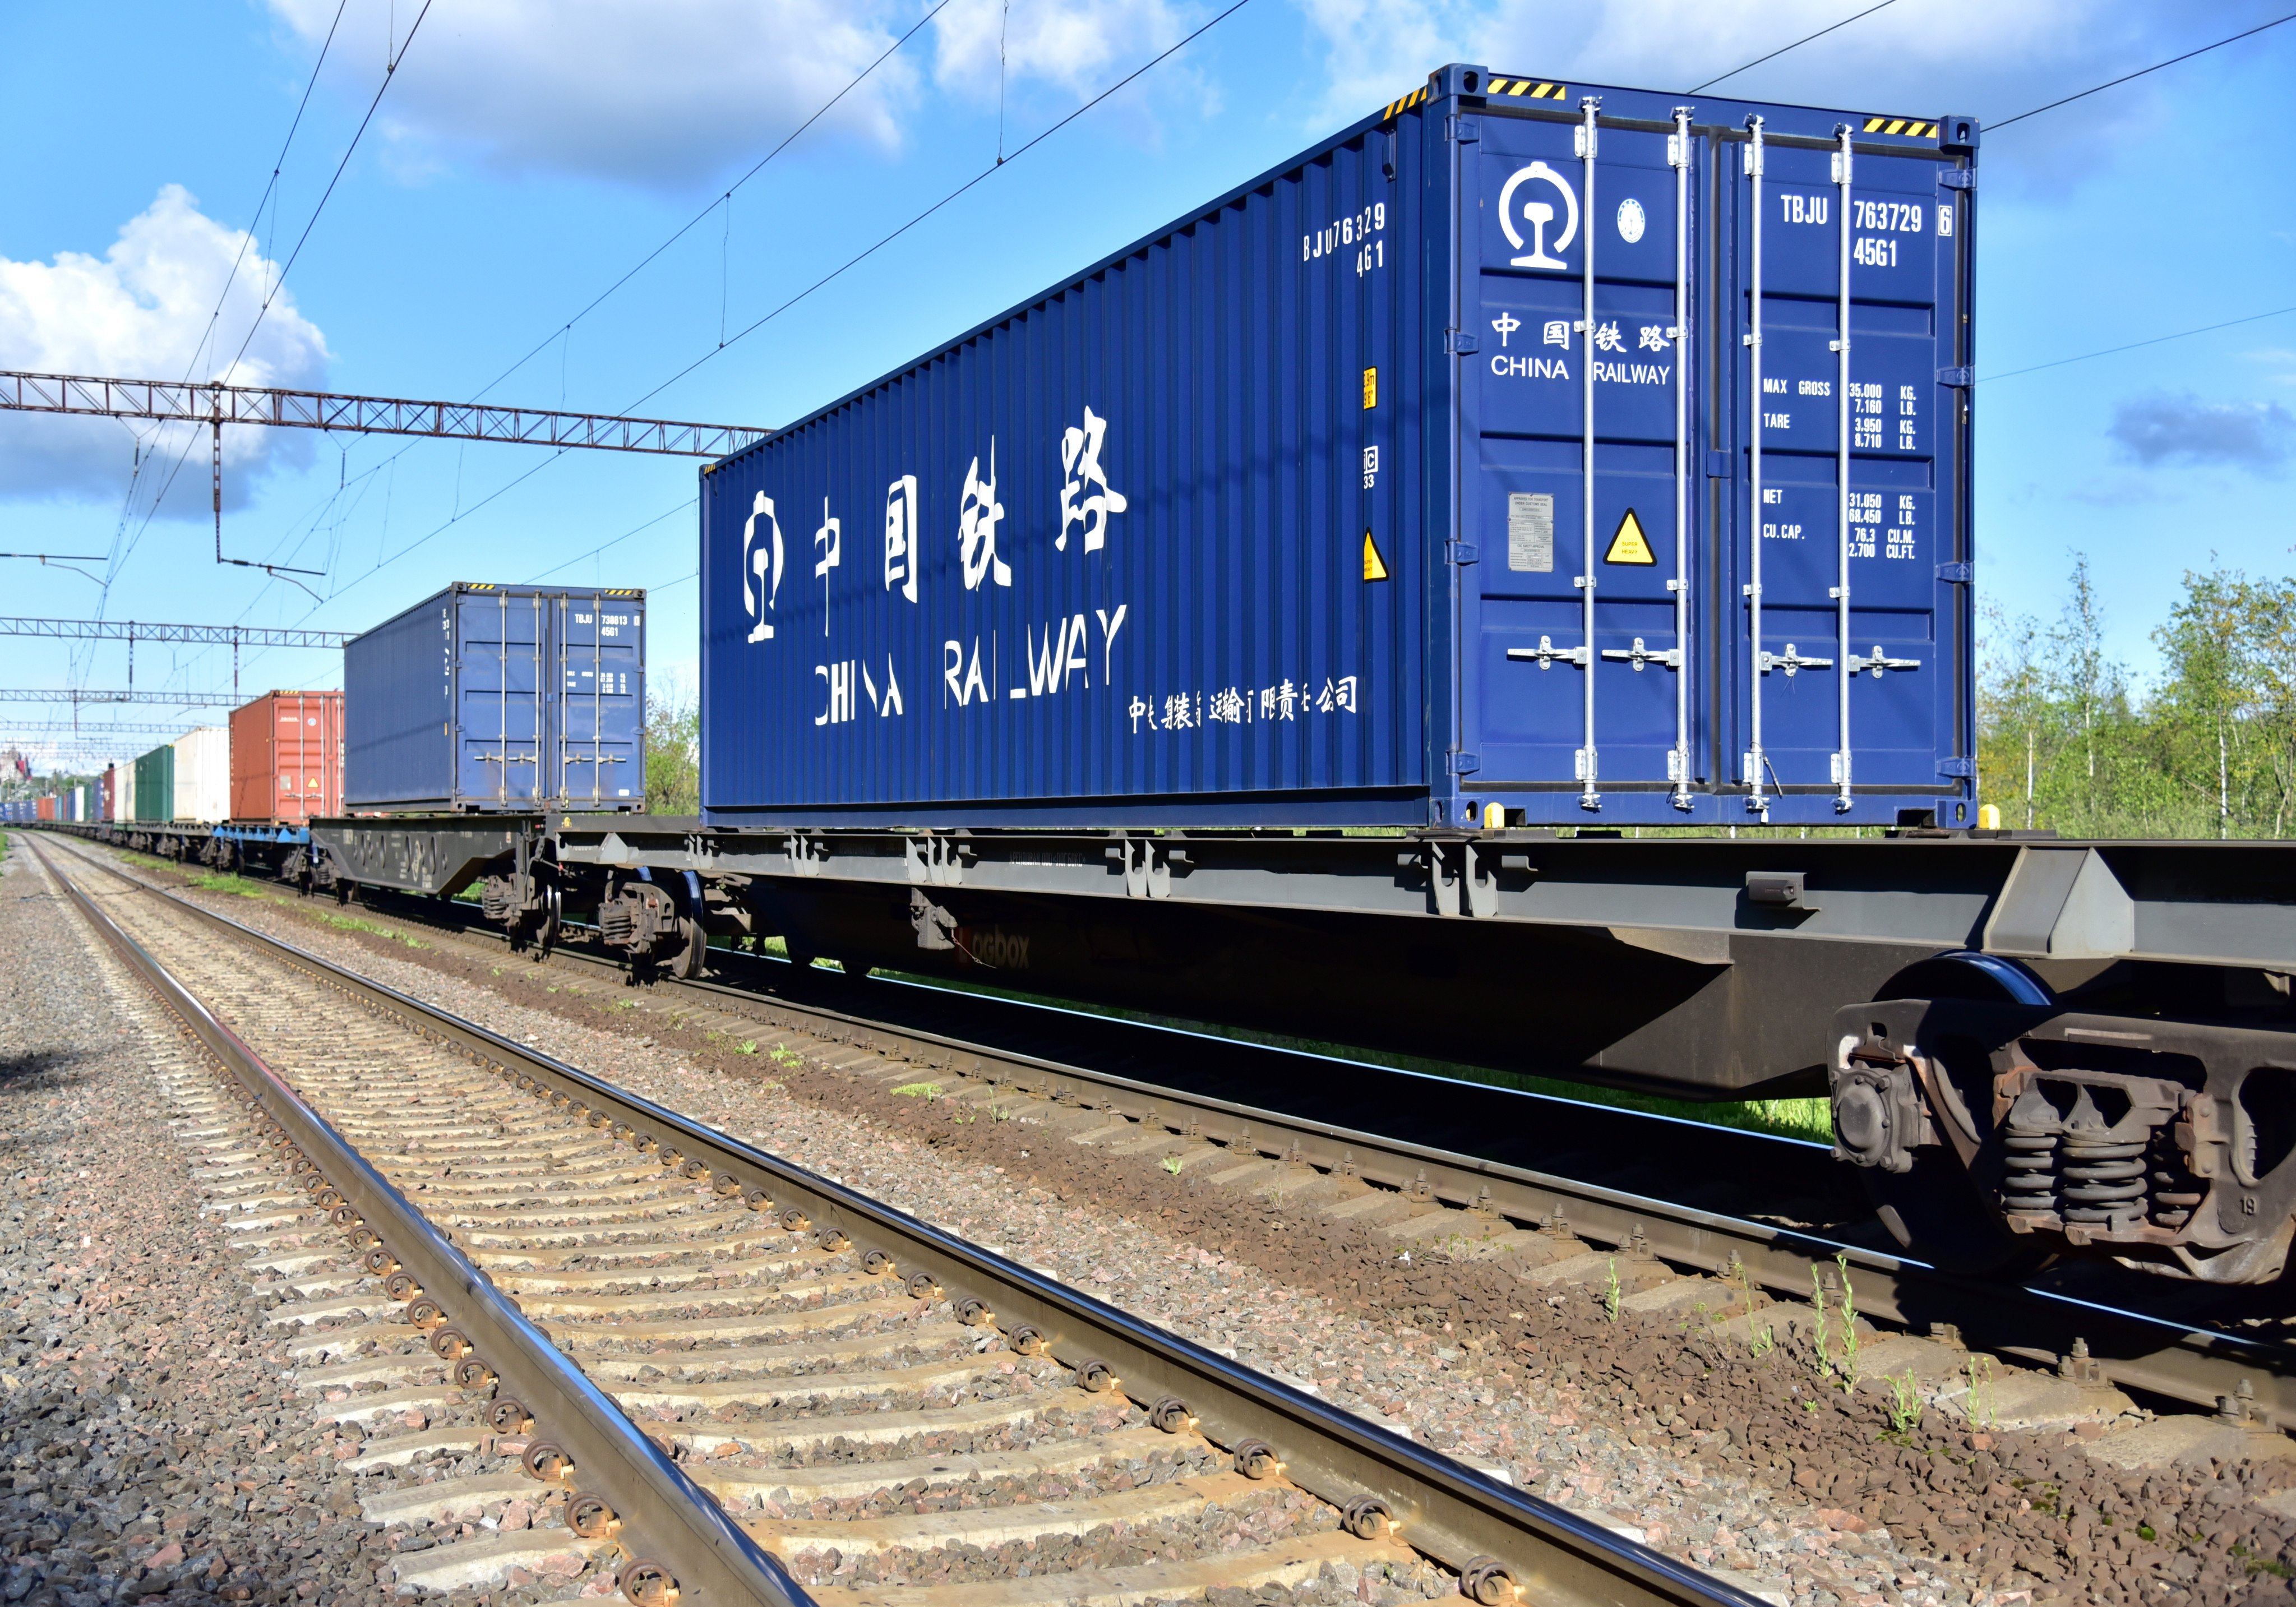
[{"x": 498, "y": 697}]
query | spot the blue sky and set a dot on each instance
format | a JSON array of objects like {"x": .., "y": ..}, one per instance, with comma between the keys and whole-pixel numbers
[{"x": 526, "y": 155}]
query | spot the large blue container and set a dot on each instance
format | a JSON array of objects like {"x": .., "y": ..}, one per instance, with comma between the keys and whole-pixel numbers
[
  {"x": 498, "y": 697},
  {"x": 1308, "y": 508}
]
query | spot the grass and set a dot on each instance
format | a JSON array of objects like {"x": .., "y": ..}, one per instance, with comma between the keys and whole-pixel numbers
[{"x": 231, "y": 881}]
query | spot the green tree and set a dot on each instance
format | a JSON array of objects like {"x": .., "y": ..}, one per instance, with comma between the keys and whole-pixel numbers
[
  {"x": 2222, "y": 717},
  {"x": 673, "y": 732},
  {"x": 2207, "y": 749}
]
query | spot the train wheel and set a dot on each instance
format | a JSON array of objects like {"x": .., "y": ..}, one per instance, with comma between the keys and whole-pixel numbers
[
  {"x": 691, "y": 959},
  {"x": 546, "y": 936}
]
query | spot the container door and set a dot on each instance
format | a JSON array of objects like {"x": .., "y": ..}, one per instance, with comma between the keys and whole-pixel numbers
[
  {"x": 602, "y": 688},
  {"x": 1844, "y": 681},
  {"x": 499, "y": 720},
  {"x": 1575, "y": 259}
]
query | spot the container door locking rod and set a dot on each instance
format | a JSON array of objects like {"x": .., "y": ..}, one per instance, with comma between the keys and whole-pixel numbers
[
  {"x": 1841, "y": 161},
  {"x": 1678, "y": 150},
  {"x": 1588, "y": 798},
  {"x": 1757, "y": 800}
]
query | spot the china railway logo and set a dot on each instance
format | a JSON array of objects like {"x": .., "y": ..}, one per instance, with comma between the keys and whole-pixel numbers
[
  {"x": 1539, "y": 214},
  {"x": 762, "y": 561}
]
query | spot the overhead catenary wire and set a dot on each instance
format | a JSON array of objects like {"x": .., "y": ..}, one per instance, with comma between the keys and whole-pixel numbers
[
  {"x": 994, "y": 167},
  {"x": 390, "y": 71},
  {"x": 564, "y": 331},
  {"x": 833, "y": 274},
  {"x": 270, "y": 190},
  {"x": 2125, "y": 77},
  {"x": 2182, "y": 334},
  {"x": 113, "y": 558},
  {"x": 617, "y": 541},
  {"x": 279, "y": 282},
  {"x": 722, "y": 200},
  {"x": 1797, "y": 45}
]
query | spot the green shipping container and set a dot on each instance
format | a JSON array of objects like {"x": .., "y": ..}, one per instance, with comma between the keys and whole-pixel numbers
[{"x": 155, "y": 785}]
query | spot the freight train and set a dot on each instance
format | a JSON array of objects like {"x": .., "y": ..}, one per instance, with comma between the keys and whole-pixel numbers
[{"x": 1400, "y": 603}]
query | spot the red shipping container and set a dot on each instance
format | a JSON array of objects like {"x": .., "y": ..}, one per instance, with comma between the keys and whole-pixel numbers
[
  {"x": 287, "y": 757},
  {"x": 48, "y": 807},
  {"x": 104, "y": 806}
]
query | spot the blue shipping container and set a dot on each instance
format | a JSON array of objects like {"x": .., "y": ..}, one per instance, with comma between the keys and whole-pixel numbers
[
  {"x": 1416, "y": 480},
  {"x": 498, "y": 697}
]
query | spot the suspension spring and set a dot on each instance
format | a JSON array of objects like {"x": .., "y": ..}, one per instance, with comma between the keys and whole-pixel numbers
[
  {"x": 2028, "y": 1186},
  {"x": 2103, "y": 1180}
]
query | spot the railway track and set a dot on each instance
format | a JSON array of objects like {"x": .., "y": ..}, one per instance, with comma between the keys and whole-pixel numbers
[
  {"x": 1542, "y": 1179},
  {"x": 724, "y": 1378}
]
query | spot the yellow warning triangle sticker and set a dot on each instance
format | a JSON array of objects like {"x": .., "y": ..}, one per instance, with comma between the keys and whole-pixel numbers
[
  {"x": 1630, "y": 545},
  {"x": 1375, "y": 566}
]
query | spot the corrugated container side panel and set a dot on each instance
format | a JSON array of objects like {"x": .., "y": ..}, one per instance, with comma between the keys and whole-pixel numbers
[
  {"x": 489, "y": 697},
  {"x": 1198, "y": 403},
  {"x": 1493, "y": 278},
  {"x": 398, "y": 706},
  {"x": 155, "y": 785},
  {"x": 286, "y": 757},
  {"x": 254, "y": 763},
  {"x": 202, "y": 792}
]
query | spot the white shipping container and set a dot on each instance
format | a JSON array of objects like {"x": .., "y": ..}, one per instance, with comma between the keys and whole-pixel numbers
[
  {"x": 203, "y": 774},
  {"x": 123, "y": 790}
]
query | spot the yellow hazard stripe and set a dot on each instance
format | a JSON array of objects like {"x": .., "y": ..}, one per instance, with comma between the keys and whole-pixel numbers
[
  {"x": 1911, "y": 128},
  {"x": 1406, "y": 102},
  {"x": 1535, "y": 89}
]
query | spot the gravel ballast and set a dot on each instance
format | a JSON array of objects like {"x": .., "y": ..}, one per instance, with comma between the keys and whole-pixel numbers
[
  {"x": 155, "y": 1447},
  {"x": 1723, "y": 1443}
]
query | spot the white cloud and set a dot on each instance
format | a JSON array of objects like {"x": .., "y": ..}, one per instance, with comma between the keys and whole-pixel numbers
[
  {"x": 1934, "y": 56},
  {"x": 1078, "y": 46},
  {"x": 670, "y": 93},
  {"x": 142, "y": 311}
]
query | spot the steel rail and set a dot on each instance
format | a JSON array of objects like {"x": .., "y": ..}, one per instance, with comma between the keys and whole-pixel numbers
[
  {"x": 1455, "y": 1514},
  {"x": 2174, "y": 1359},
  {"x": 664, "y": 1514},
  {"x": 2186, "y": 1361}
]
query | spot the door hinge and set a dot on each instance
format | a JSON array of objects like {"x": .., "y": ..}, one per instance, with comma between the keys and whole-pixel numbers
[
  {"x": 1956, "y": 179},
  {"x": 1465, "y": 130},
  {"x": 1958, "y": 574},
  {"x": 1964, "y": 377},
  {"x": 1462, "y": 764},
  {"x": 1960, "y": 769},
  {"x": 1464, "y": 552},
  {"x": 1459, "y": 342}
]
